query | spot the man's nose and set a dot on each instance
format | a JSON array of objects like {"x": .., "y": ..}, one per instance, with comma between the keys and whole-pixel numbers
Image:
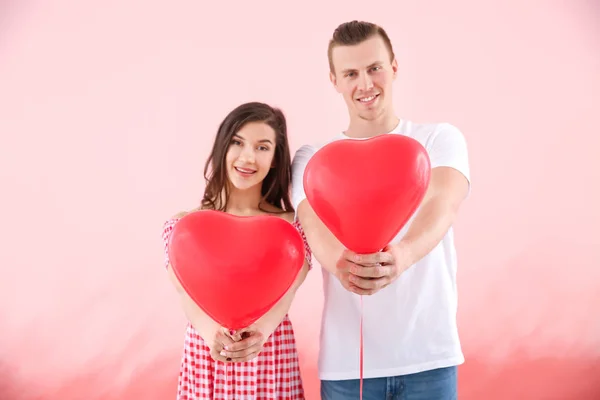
[{"x": 365, "y": 82}]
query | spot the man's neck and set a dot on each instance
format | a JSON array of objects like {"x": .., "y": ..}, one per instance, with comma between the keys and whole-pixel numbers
[{"x": 360, "y": 128}]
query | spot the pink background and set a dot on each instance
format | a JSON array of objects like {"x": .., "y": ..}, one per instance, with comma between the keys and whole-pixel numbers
[{"x": 107, "y": 111}]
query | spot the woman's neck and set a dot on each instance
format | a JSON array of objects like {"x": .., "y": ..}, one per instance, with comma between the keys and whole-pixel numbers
[{"x": 244, "y": 202}]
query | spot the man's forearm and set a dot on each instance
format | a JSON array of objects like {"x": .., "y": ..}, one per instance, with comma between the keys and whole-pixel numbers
[
  {"x": 427, "y": 229},
  {"x": 436, "y": 215},
  {"x": 324, "y": 246}
]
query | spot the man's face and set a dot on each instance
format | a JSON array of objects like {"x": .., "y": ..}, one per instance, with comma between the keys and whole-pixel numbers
[{"x": 364, "y": 76}]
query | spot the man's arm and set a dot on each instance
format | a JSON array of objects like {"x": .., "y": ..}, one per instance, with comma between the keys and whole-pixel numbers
[
  {"x": 325, "y": 247},
  {"x": 447, "y": 190},
  {"x": 448, "y": 187}
]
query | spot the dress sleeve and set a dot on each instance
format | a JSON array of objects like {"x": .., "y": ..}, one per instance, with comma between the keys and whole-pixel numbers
[
  {"x": 166, "y": 235},
  {"x": 307, "y": 252}
]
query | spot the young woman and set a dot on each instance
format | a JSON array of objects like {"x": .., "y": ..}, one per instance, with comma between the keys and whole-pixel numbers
[{"x": 248, "y": 173}]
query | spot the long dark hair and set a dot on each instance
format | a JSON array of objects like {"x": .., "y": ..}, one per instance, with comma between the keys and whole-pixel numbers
[{"x": 276, "y": 185}]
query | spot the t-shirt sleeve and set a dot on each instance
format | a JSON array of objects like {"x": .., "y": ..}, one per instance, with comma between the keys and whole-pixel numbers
[
  {"x": 301, "y": 158},
  {"x": 449, "y": 149}
]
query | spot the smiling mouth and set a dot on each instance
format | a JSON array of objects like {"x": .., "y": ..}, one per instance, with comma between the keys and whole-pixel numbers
[
  {"x": 245, "y": 171},
  {"x": 368, "y": 99}
]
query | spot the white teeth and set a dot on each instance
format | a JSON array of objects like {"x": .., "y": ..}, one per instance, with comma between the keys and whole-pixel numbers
[
  {"x": 367, "y": 99},
  {"x": 245, "y": 171}
]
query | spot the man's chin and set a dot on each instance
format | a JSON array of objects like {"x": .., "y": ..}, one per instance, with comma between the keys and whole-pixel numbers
[{"x": 370, "y": 115}]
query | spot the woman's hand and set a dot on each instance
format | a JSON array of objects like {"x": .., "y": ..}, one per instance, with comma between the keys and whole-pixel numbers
[
  {"x": 218, "y": 343},
  {"x": 249, "y": 342},
  {"x": 245, "y": 344}
]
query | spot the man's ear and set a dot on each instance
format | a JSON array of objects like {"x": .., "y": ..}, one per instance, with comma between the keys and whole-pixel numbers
[
  {"x": 395, "y": 68},
  {"x": 333, "y": 80}
]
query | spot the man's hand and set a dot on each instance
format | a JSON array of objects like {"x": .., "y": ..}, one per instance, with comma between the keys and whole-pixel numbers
[{"x": 366, "y": 274}]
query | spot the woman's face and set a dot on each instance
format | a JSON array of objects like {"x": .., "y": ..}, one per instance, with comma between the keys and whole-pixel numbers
[{"x": 250, "y": 155}]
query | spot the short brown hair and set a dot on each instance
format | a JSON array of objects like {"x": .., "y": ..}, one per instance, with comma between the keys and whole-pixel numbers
[{"x": 355, "y": 32}]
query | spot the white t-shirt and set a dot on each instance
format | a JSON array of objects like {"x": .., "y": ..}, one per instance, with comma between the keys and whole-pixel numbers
[{"x": 410, "y": 326}]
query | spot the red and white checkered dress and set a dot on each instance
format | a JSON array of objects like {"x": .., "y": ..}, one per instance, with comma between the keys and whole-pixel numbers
[{"x": 273, "y": 374}]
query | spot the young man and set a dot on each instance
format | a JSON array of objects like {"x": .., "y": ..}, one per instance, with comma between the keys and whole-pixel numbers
[{"x": 411, "y": 343}]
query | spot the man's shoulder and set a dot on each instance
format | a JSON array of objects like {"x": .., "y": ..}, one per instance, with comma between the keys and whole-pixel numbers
[
  {"x": 435, "y": 136},
  {"x": 426, "y": 130},
  {"x": 317, "y": 144},
  {"x": 307, "y": 150}
]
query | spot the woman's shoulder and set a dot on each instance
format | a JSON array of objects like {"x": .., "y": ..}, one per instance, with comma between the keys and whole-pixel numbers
[
  {"x": 278, "y": 212},
  {"x": 182, "y": 214},
  {"x": 171, "y": 221},
  {"x": 288, "y": 216}
]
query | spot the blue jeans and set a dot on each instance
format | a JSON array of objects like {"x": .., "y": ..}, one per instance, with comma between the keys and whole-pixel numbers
[{"x": 437, "y": 384}]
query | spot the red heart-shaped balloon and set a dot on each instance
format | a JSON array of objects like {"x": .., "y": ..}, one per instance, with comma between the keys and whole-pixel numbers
[
  {"x": 235, "y": 268},
  {"x": 365, "y": 191}
]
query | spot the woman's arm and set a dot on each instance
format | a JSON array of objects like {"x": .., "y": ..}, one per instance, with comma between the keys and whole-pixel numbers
[
  {"x": 207, "y": 328},
  {"x": 249, "y": 341},
  {"x": 201, "y": 322},
  {"x": 271, "y": 320}
]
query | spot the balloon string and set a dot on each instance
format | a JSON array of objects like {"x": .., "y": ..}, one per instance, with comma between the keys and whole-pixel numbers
[{"x": 361, "y": 347}]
